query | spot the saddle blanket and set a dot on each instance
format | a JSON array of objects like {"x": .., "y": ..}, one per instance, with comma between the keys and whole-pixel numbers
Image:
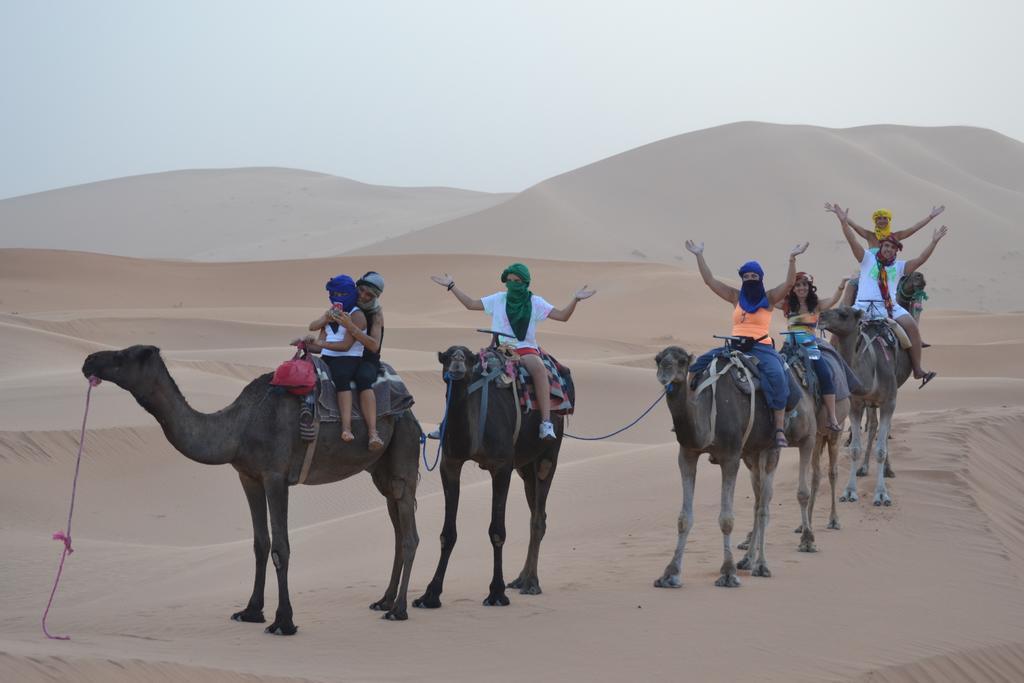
[{"x": 389, "y": 390}]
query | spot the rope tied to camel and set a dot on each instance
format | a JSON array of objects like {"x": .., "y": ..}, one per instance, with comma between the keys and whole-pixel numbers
[
  {"x": 712, "y": 381},
  {"x": 65, "y": 535}
]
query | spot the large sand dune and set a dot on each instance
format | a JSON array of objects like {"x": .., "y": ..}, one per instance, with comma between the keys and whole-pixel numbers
[
  {"x": 929, "y": 589},
  {"x": 228, "y": 214}
]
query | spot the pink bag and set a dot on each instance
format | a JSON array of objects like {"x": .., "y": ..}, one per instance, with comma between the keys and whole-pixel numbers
[{"x": 296, "y": 375}]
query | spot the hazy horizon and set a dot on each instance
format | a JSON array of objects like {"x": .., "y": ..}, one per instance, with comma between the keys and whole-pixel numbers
[{"x": 492, "y": 97}]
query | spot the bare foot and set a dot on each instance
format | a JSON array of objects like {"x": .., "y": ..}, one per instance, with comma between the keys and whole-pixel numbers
[
  {"x": 347, "y": 436},
  {"x": 376, "y": 443}
]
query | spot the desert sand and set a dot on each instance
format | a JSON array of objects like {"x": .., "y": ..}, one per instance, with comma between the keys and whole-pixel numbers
[{"x": 929, "y": 589}]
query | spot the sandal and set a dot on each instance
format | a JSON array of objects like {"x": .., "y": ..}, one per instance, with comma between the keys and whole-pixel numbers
[
  {"x": 928, "y": 377},
  {"x": 834, "y": 426},
  {"x": 376, "y": 443},
  {"x": 347, "y": 436},
  {"x": 780, "y": 438}
]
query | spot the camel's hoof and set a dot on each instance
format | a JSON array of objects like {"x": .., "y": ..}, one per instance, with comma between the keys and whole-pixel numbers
[
  {"x": 862, "y": 471},
  {"x": 799, "y": 529},
  {"x": 282, "y": 629},
  {"x": 382, "y": 605},
  {"x": 886, "y": 501},
  {"x": 496, "y": 600},
  {"x": 427, "y": 601},
  {"x": 848, "y": 497},
  {"x": 761, "y": 570},
  {"x": 251, "y": 616},
  {"x": 743, "y": 545},
  {"x": 727, "y": 581},
  {"x": 833, "y": 524},
  {"x": 889, "y": 474},
  {"x": 668, "y": 581},
  {"x": 807, "y": 547},
  {"x": 527, "y": 586},
  {"x": 743, "y": 564},
  {"x": 396, "y": 615}
]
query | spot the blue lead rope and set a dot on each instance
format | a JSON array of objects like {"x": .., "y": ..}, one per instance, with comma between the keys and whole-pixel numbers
[
  {"x": 444, "y": 423},
  {"x": 619, "y": 431}
]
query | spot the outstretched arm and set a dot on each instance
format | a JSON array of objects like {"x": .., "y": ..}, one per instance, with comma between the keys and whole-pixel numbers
[
  {"x": 851, "y": 237},
  {"x": 825, "y": 304},
  {"x": 448, "y": 283},
  {"x": 863, "y": 232},
  {"x": 563, "y": 314},
  {"x": 730, "y": 294},
  {"x": 779, "y": 293},
  {"x": 915, "y": 263},
  {"x": 904, "y": 234}
]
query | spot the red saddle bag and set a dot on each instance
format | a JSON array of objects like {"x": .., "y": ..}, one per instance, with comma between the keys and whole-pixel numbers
[{"x": 297, "y": 375}]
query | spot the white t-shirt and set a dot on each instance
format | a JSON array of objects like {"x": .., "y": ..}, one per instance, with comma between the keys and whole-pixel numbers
[
  {"x": 338, "y": 335},
  {"x": 867, "y": 285},
  {"x": 494, "y": 305}
]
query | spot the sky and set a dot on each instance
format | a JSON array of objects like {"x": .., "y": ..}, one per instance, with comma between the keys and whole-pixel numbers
[{"x": 484, "y": 95}]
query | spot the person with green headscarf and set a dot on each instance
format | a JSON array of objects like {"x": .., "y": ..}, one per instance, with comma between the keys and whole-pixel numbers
[{"x": 515, "y": 313}]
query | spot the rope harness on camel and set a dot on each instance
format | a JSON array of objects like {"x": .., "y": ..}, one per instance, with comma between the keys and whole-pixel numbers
[{"x": 714, "y": 374}]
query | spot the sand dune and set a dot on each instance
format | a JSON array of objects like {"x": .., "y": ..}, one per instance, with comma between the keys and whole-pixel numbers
[
  {"x": 762, "y": 186},
  {"x": 228, "y": 214},
  {"x": 928, "y": 589}
]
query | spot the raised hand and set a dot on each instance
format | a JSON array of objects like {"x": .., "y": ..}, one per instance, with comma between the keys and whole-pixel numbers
[
  {"x": 443, "y": 280},
  {"x": 940, "y": 233},
  {"x": 936, "y": 210},
  {"x": 584, "y": 293},
  {"x": 799, "y": 249},
  {"x": 832, "y": 208},
  {"x": 694, "y": 247}
]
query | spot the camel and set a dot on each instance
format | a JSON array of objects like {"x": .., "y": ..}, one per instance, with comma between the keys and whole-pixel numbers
[
  {"x": 910, "y": 293},
  {"x": 826, "y": 438},
  {"x": 257, "y": 435},
  {"x": 882, "y": 372},
  {"x": 723, "y": 437},
  {"x": 495, "y": 449}
]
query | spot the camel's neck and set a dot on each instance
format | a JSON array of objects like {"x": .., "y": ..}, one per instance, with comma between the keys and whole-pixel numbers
[
  {"x": 846, "y": 345},
  {"x": 208, "y": 439},
  {"x": 681, "y": 406}
]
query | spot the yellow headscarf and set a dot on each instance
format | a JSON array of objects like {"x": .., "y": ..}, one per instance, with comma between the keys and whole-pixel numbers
[{"x": 882, "y": 234}]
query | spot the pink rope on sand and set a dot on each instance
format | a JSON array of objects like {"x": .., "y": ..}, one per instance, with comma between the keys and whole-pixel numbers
[{"x": 65, "y": 537}]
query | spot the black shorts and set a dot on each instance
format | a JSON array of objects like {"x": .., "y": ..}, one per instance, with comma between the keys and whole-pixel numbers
[
  {"x": 366, "y": 374},
  {"x": 343, "y": 370}
]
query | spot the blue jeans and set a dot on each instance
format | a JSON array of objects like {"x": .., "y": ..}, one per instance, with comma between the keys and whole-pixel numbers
[{"x": 774, "y": 380}]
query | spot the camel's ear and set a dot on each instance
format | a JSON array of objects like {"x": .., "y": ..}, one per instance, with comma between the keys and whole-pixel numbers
[
  {"x": 442, "y": 357},
  {"x": 688, "y": 359},
  {"x": 657, "y": 359},
  {"x": 858, "y": 314},
  {"x": 144, "y": 353}
]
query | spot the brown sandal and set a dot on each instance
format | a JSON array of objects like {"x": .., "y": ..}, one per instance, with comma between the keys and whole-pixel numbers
[{"x": 376, "y": 443}]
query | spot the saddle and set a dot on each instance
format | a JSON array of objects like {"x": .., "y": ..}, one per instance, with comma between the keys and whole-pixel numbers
[
  {"x": 885, "y": 331},
  {"x": 739, "y": 378}
]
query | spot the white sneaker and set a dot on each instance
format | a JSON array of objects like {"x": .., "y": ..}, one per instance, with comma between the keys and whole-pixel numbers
[
  {"x": 436, "y": 435},
  {"x": 547, "y": 430}
]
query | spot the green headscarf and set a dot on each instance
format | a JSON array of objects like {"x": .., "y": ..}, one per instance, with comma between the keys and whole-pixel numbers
[{"x": 518, "y": 304}]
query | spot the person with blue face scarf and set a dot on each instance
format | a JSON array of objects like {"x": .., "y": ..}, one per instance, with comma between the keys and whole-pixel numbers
[
  {"x": 751, "y": 317},
  {"x": 338, "y": 343}
]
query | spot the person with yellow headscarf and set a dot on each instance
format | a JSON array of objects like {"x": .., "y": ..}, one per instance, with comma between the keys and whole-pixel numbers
[{"x": 882, "y": 218}]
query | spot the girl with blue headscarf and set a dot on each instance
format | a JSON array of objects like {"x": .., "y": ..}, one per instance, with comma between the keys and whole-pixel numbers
[
  {"x": 341, "y": 350},
  {"x": 751, "y": 318}
]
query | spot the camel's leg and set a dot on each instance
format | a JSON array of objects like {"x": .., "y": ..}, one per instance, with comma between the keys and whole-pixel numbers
[
  {"x": 537, "y": 482},
  {"x": 813, "y": 453},
  {"x": 277, "y": 497},
  {"x": 257, "y": 497},
  {"x": 882, "y": 451},
  {"x": 730, "y": 464},
  {"x": 864, "y": 444},
  {"x": 856, "y": 416},
  {"x": 671, "y": 577},
  {"x": 833, "y": 477},
  {"x": 451, "y": 470},
  {"x": 500, "y": 480},
  {"x": 750, "y": 544},
  {"x": 804, "y": 494},
  {"x": 388, "y": 601},
  {"x": 410, "y": 540},
  {"x": 768, "y": 461}
]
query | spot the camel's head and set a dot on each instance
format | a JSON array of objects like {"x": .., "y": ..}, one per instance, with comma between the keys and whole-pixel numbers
[
  {"x": 841, "y": 321},
  {"x": 912, "y": 283},
  {"x": 457, "y": 362},
  {"x": 673, "y": 364},
  {"x": 128, "y": 368}
]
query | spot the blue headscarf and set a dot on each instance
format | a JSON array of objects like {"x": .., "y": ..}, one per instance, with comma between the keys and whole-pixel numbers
[
  {"x": 752, "y": 294},
  {"x": 341, "y": 289}
]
